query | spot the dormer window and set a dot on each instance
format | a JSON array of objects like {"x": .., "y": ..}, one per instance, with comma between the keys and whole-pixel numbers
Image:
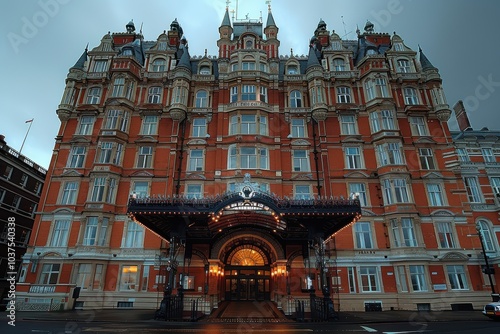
[
  {"x": 339, "y": 64},
  {"x": 398, "y": 47},
  {"x": 371, "y": 52},
  {"x": 404, "y": 66},
  {"x": 127, "y": 52},
  {"x": 158, "y": 65},
  {"x": 292, "y": 69},
  {"x": 205, "y": 70}
]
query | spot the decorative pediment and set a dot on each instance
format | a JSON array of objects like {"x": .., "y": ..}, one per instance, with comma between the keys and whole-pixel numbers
[
  {"x": 352, "y": 139},
  {"x": 195, "y": 176},
  {"x": 357, "y": 175},
  {"x": 71, "y": 172},
  {"x": 365, "y": 212},
  {"x": 77, "y": 139},
  {"x": 433, "y": 175},
  {"x": 300, "y": 142},
  {"x": 197, "y": 141},
  {"x": 442, "y": 213},
  {"x": 425, "y": 140},
  {"x": 454, "y": 256},
  {"x": 142, "y": 173},
  {"x": 302, "y": 176},
  {"x": 63, "y": 211},
  {"x": 146, "y": 139}
]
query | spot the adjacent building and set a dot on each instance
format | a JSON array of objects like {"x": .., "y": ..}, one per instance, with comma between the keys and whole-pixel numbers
[
  {"x": 21, "y": 183},
  {"x": 255, "y": 175}
]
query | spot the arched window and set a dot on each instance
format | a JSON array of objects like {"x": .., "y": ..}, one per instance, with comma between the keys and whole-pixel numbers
[
  {"x": 343, "y": 94},
  {"x": 201, "y": 99},
  {"x": 404, "y": 66},
  {"x": 484, "y": 229},
  {"x": 339, "y": 64},
  {"x": 411, "y": 97},
  {"x": 295, "y": 99},
  {"x": 292, "y": 69},
  {"x": 154, "y": 94},
  {"x": 205, "y": 70},
  {"x": 158, "y": 65}
]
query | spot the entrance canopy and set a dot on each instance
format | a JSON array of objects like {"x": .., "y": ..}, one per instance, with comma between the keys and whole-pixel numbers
[{"x": 204, "y": 218}]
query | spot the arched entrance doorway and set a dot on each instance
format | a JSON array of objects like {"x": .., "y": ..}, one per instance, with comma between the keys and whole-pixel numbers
[{"x": 247, "y": 267}]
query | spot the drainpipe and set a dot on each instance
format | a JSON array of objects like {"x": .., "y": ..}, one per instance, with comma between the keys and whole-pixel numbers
[
  {"x": 316, "y": 163},
  {"x": 181, "y": 156}
]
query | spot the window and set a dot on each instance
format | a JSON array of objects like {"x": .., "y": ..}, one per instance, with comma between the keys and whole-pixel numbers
[
  {"x": 339, "y": 64},
  {"x": 472, "y": 187},
  {"x": 95, "y": 231},
  {"x": 98, "y": 188},
  {"x": 158, "y": 65},
  {"x": 403, "y": 233},
  {"x": 118, "y": 87},
  {"x": 193, "y": 191},
  {"x": 248, "y": 93},
  {"x": 248, "y": 66},
  {"x": 38, "y": 188},
  {"x": 24, "y": 180},
  {"x": 188, "y": 282},
  {"x": 140, "y": 189},
  {"x": 201, "y": 99},
  {"x": 302, "y": 192},
  {"x": 154, "y": 95},
  {"x": 94, "y": 95},
  {"x": 390, "y": 154},
  {"x": 463, "y": 155},
  {"x": 179, "y": 95},
  {"x": 445, "y": 235},
  {"x": 353, "y": 158},
  {"x": 351, "y": 277},
  {"x": 295, "y": 99},
  {"x": 134, "y": 237},
  {"x": 488, "y": 155},
  {"x": 145, "y": 278},
  {"x": 484, "y": 229},
  {"x": 85, "y": 126},
  {"x": 196, "y": 160},
  {"x": 49, "y": 273},
  {"x": 100, "y": 66},
  {"x": 234, "y": 67},
  {"x": 348, "y": 124},
  {"x": 395, "y": 191},
  {"x": 199, "y": 127},
  {"x": 292, "y": 69},
  {"x": 263, "y": 94},
  {"x": 418, "y": 126},
  {"x": 248, "y": 124},
  {"x": 360, "y": 190},
  {"x": 403, "y": 284},
  {"x": 106, "y": 151},
  {"x": 404, "y": 66},
  {"x": 316, "y": 94},
  {"x": 7, "y": 173},
  {"x": 145, "y": 157},
  {"x": 205, "y": 70},
  {"x": 495, "y": 186},
  {"x": 76, "y": 157},
  {"x": 16, "y": 202},
  {"x": 398, "y": 47},
  {"x": 376, "y": 88},
  {"x": 69, "y": 193},
  {"x": 128, "y": 278},
  {"x": 83, "y": 279},
  {"x": 343, "y": 95},
  {"x": 435, "y": 194},
  {"x": 369, "y": 279},
  {"x": 97, "y": 282},
  {"x": 234, "y": 94},
  {"x": 149, "y": 125},
  {"x": 301, "y": 161},
  {"x": 411, "y": 97},
  {"x": 60, "y": 233},
  {"x": 417, "y": 276},
  {"x": 116, "y": 120},
  {"x": 456, "y": 275},
  {"x": 298, "y": 128},
  {"x": 426, "y": 158},
  {"x": 363, "y": 235},
  {"x": 382, "y": 120}
]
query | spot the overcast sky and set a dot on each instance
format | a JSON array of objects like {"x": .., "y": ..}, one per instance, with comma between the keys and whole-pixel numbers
[{"x": 44, "y": 38}]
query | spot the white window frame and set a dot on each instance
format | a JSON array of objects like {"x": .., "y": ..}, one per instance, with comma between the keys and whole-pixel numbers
[
  {"x": 418, "y": 126},
  {"x": 426, "y": 156},
  {"x": 145, "y": 157},
  {"x": 353, "y": 157},
  {"x": 69, "y": 193},
  {"x": 301, "y": 161},
  {"x": 457, "y": 277},
  {"x": 199, "y": 127},
  {"x": 418, "y": 278},
  {"x": 446, "y": 235},
  {"x": 60, "y": 233},
  {"x": 435, "y": 193},
  {"x": 363, "y": 235},
  {"x": 196, "y": 160},
  {"x": 369, "y": 279}
]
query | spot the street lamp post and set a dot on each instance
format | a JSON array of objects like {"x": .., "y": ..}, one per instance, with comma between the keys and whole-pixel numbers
[{"x": 487, "y": 269}]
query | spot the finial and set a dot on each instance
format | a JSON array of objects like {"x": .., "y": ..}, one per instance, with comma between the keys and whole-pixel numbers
[
  {"x": 205, "y": 52},
  {"x": 87, "y": 47},
  {"x": 227, "y": 4},
  {"x": 268, "y": 2}
]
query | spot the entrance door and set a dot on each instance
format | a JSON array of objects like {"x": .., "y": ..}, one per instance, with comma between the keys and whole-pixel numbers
[
  {"x": 245, "y": 284},
  {"x": 243, "y": 289}
]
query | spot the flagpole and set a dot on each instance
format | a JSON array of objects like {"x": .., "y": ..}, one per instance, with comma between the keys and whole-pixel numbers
[{"x": 31, "y": 122}]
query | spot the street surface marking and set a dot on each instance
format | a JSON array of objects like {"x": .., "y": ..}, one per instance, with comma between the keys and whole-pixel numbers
[{"x": 368, "y": 329}]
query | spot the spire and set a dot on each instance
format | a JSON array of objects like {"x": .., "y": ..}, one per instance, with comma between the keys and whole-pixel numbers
[
  {"x": 185, "y": 59},
  {"x": 226, "y": 22},
  {"x": 83, "y": 58},
  {"x": 426, "y": 64},
  {"x": 312, "y": 59},
  {"x": 270, "y": 19}
]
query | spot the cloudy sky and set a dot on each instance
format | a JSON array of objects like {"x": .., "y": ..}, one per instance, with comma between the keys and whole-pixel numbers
[{"x": 42, "y": 39}]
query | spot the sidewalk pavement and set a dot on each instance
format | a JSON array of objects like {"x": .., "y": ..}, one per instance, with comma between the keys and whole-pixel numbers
[{"x": 135, "y": 315}]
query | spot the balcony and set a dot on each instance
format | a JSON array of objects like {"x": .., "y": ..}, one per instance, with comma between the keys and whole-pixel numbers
[
  {"x": 64, "y": 111},
  {"x": 319, "y": 111},
  {"x": 252, "y": 105},
  {"x": 254, "y": 75},
  {"x": 443, "y": 112},
  {"x": 177, "y": 111}
]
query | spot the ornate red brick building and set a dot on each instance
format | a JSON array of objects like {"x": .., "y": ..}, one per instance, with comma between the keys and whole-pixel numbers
[{"x": 253, "y": 175}]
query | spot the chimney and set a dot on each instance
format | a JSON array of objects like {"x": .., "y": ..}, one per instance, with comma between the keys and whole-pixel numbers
[{"x": 461, "y": 115}]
